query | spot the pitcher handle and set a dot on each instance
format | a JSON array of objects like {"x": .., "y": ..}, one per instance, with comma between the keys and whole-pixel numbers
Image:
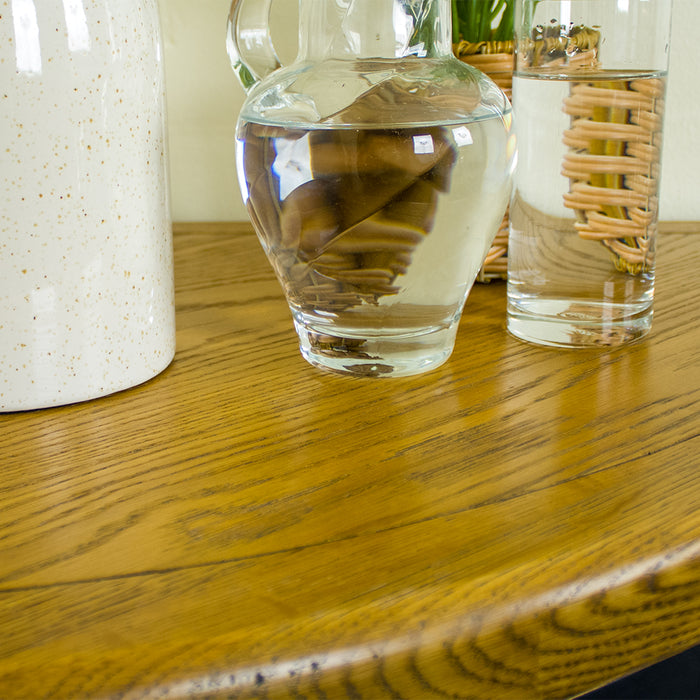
[{"x": 249, "y": 43}]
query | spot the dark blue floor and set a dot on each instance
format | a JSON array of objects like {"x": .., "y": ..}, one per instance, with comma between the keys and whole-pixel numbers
[{"x": 677, "y": 678}]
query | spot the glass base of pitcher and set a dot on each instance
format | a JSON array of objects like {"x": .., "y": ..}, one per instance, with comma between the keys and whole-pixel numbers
[
  {"x": 376, "y": 355},
  {"x": 569, "y": 323}
]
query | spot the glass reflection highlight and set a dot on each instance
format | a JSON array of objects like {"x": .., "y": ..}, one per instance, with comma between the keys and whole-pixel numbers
[
  {"x": 27, "y": 43},
  {"x": 76, "y": 25}
]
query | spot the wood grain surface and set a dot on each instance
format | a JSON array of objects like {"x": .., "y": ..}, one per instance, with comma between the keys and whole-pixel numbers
[{"x": 520, "y": 523}]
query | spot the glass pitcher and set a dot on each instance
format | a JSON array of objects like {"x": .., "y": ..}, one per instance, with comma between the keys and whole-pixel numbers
[{"x": 376, "y": 169}]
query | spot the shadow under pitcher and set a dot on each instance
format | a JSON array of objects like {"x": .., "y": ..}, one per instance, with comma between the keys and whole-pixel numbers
[{"x": 376, "y": 169}]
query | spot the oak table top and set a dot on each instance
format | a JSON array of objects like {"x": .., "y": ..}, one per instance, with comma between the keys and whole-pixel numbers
[{"x": 520, "y": 523}]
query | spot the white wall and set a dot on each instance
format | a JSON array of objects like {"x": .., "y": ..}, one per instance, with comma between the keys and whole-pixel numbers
[{"x": 204, "y": 98}]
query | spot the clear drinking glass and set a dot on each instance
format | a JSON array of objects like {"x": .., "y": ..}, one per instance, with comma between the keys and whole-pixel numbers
[
  {"x": 376, "y": 169},
  {"x": 588, "y": 93}
]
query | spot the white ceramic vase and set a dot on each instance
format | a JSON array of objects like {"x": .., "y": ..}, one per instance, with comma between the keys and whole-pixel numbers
[{"x": 86, "y": 271}]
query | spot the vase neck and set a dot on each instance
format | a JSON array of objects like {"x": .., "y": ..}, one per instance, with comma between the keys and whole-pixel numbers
[{"x": 366, "y": 29}]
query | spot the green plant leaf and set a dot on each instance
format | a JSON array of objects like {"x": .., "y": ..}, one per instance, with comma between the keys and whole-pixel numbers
[{"x": 473, "y": 20}]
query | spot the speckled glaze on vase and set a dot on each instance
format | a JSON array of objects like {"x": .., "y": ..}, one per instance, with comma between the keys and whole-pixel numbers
[{"x": 86, "y": 270}]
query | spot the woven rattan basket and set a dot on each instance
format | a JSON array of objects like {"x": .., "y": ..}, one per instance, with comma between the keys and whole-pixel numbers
[
  {"x": 495, "y": 58},
  {"x": 614, "y": 143},
  {"x": 612, "y": 164}
]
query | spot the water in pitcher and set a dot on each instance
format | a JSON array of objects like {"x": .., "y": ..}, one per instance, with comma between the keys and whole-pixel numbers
[{"x": 375, "y": 232}]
